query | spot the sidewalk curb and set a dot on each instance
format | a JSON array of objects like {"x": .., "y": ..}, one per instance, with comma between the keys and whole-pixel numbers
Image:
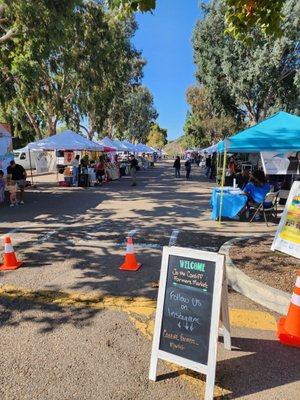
[{"x": 274, "y": 299}]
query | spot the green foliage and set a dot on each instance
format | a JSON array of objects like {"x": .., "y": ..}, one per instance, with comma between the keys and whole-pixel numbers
[
  {"x": 36, "y": 63},
  {"x": 157, "y": 137},
  {"x": 136, "y": 115},
  {"x": 244, "y": 15},
  {"x": 108, "y": 75},
  {"x": 127, "y": 7},
  {"x": 205, "y": 122},
  {"x": 248, "y": 82},
  {"x": 175, "y": 147},
  {"x": 241, "y": 15},
  {"x": 67, "y": 59}
]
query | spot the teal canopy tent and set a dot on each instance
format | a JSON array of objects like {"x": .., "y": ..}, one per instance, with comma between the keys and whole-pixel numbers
[{"x": 280, "y": 132}]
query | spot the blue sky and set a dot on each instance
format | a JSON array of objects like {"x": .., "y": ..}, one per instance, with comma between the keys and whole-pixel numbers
[{"x": 165, "y": 39}]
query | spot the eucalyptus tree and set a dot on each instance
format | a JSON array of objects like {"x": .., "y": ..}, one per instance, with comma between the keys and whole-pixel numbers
[
  {"x": 107, "y": 64},
  {"x": 138, "y": 115},
  {"x": 35, "y": 63},
  {"x": 254, "y": 80}
]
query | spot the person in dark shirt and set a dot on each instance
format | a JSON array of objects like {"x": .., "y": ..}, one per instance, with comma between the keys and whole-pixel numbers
[
  {"x": 188, "y": 168},
  {"x": 18, "y": 177},
  {"x": 242, "y": 178},
  {"x": 208, "y": 165},
  {"x": 133, "y": 168},
  {"x": 213, "y": 166},
  {"x": 176, "y": 165}
]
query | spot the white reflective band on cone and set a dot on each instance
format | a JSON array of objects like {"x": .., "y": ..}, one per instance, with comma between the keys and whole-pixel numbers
[
  {"x": 298, "y": 282},
  {"x": 8, "y": 248},
  {"x": 296, "y": 299},
  {"x": 130, "y": 249}
]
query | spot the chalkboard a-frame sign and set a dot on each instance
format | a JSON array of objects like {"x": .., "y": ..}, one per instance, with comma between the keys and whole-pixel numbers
[{"x": 192, "y": 292}]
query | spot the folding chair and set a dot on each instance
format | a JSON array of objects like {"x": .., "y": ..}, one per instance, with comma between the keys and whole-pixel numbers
[{"x": 272, "y": 198}]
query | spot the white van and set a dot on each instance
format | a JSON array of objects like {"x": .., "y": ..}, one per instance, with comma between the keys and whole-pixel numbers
[{"x": 21, "y": 156}]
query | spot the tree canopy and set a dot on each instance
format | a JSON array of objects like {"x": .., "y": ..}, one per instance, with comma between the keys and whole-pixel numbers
[
  {"x": 157, "y": 137},
  {"x": 136, "y": 115},
  {"x": 249, "y": 81},
  {"x": 65, "y": 60},
  {"x": 243, "y": 15},
  {"x": 240, "y": 84}
]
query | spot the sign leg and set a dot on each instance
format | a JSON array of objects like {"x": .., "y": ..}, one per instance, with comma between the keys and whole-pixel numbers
[
  {"x": 153, "y": 368},
  {"x": 210, "y": 377}
]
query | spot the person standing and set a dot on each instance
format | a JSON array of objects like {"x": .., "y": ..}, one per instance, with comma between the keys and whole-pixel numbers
[
  {"x": 75, "y": 170},
  {"x": 100, "y": 170},
  {"x": 188, "y": 168},
  {"x": 207, "y": 165},
  {"x": 213, "y": 166},
  {"x": 177, "y": 165},
  {"x": 133, "y": 168},
  {"x": 18, "y": 176}
]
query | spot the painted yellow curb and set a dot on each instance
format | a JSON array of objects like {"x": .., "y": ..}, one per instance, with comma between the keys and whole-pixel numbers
[{"x": 141, "y": 313}]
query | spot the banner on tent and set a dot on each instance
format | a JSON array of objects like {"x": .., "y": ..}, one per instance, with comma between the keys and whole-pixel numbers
[
  {"x": 287, "y": 239},
  {"x": 68, "y": 157},
  {"x": 41, "y": 163},
  {"x": 281, "y": 163}
]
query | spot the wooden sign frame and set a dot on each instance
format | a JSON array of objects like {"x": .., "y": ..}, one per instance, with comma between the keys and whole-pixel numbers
[{"x": 219, "y": 311}]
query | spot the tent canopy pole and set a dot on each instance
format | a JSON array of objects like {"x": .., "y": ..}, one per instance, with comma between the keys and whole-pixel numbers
[
  {"x": 222, "y": 182},
  {"x": 31, "y": 175}
]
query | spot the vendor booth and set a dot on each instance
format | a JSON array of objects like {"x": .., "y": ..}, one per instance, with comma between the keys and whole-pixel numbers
[
  {"x": 273, "y": 144},
  {"x": 69, "y": 142}
]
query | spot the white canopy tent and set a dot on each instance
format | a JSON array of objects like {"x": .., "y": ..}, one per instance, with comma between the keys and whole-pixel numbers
[
  {"x": 118, "y": 145},
  {"x": 107, "y": 142},
  {"x": 211, "y": 149},
  {"x": 131, "y": 147},
  {"x": 67, "y": 140},
  {"x": 121, "y": 146},
  {"x": 142, "y": 148}
]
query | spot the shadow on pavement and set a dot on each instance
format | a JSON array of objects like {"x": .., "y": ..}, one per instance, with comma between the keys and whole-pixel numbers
[{"x": 271, "y": 365}]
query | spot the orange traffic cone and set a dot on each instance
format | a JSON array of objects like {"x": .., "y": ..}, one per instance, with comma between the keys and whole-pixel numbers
[
  {"x": 289, "y": 327},
  {"x": 130, "y": 263},
  {"x": 9, "y": 258}
]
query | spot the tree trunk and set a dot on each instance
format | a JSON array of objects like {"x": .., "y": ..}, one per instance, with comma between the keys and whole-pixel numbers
[
  {"x": 51, "y": 121},
  {"x": 31, "y": 120},
  {"x": 267, "y": 102},
  {"x": 110, "y": 128},
  {"x": 92, "y": 129}
]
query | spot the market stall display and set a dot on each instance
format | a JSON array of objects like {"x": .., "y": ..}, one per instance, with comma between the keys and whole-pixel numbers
[
  {"x": 278, "y": 135},
  {"x": 67, "y": 141},
  {"x": 234, "y": 200}
]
